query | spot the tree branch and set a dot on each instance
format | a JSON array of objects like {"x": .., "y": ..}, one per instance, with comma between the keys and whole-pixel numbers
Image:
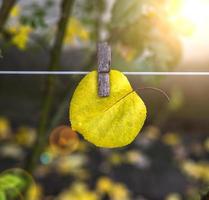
[
  {"x": 66, "y": 8},
  {"x": 5, "y": 9}
]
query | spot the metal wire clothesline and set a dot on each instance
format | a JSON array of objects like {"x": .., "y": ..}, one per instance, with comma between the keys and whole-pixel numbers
[{"x": 86, "y": 72}]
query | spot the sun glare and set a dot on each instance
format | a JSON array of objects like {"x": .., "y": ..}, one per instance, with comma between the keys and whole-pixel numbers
[
  {"x": 195, "y": 46},
  {"x": 197, "y": 11}
]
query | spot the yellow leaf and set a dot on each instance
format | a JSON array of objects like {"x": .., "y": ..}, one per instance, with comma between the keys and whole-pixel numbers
[
  {"x": 119, "y": 192},
  {"x": 104, "y": 185},
  {"x": 112, "y": 121},
  {"x": 197, "y": 170},
  {"x": 34, "y": 192},
  {"x": 76, "y": 30},
  {"x": 21, "y": 36},
  {"x": 15, "y": 11},
  {"x": 206, "y": 144},
  {"x": 115, "y": 159},
  {"x": 4, "y": 128},
  {"x": 25, "y": 136},
  {"x": 171, "y": 139},
  {"x": 173, "y": 196}
]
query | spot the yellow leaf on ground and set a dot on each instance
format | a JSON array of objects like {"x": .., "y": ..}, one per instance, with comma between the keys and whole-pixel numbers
[{"x": 4, "y": 128}]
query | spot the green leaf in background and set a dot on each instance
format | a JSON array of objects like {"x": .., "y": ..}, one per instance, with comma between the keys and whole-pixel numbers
[
  {"x": 143, "y": 36},
  {"x": 8, "y": 181},
  {"x": 2, "y": 195},
  {"x": 11, "y": 185},
  {"x": 35, "y": 17},
  {"x": 125, "y": 12}
]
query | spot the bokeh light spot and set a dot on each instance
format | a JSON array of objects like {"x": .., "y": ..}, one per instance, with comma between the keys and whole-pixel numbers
[
  {"x": 64, "y": 140},
  {"x": 46, "y": 158}
]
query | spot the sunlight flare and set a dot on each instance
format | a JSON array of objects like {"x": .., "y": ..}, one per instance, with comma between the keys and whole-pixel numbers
[{"x": 196, "y": 11}]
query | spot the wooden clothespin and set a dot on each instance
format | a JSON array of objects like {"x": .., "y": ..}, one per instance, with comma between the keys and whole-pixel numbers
[{"x": 104, "y": 62}]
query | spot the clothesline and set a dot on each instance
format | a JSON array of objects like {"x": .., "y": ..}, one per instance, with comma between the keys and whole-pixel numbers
[{"x": 86, "y": 72}]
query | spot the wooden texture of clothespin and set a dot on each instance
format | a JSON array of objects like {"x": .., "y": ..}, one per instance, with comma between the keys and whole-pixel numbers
[{"x": 104, "y": 62}]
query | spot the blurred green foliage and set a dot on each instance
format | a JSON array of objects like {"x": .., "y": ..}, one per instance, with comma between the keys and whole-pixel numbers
[
  {"x": 144, "y": 26},
  {"x": 11, "y": 185},
  {"x": 140, "y": 32}
]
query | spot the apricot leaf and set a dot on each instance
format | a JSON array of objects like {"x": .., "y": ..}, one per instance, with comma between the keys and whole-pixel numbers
[{"x": 109, "y": 122}]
